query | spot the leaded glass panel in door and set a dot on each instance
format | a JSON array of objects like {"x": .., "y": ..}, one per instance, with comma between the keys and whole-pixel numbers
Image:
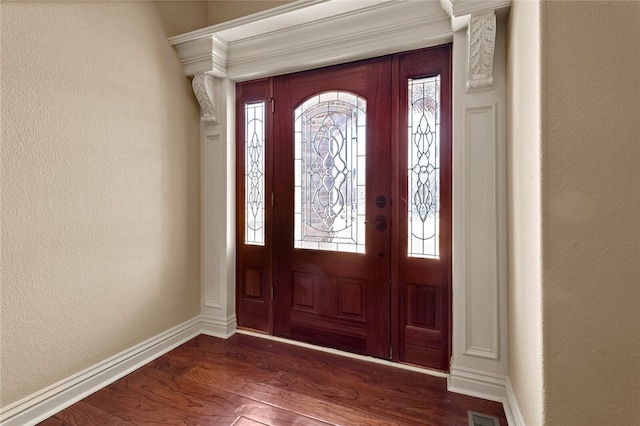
[
  {"x": 254, "y": 207},
  {"x": 330, "y": 155},
  {"x": 424, "y": 167}
]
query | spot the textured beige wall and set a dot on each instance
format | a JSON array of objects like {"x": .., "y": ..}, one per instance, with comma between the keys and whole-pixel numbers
[
  {"x": 591, "y": 212},
  {"x": 226, "y": 10},
  {"x": 179, "y": 17},
  {"x": 574, "y": 197},
  {"x": 100, "y": 187},
  {"x": 525, "y": 263}
]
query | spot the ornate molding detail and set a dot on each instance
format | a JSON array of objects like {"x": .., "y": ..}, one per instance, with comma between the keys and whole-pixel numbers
[
  {"x": 482, "y": 41},
  {"x": 204, "y": 87}
]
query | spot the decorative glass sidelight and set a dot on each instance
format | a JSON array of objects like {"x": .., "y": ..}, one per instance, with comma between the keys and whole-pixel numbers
[
  {"x": 424, "y": 168},
  {"x": 330, "y": 154},
  {"x": 254, "y": 204}
]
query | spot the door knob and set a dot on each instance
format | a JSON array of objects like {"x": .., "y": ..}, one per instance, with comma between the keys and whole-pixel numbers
[{"x": 381, "y": 223}]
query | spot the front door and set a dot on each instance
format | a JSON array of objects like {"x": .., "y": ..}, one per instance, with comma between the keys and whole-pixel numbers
[
  {"x": 332, "y": 185},
  {"x": 355, "y": 184}
]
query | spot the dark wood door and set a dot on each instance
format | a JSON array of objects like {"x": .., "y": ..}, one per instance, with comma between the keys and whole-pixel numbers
[
  {"x": 356, "y": 251},
  {"x": 331, "y": 261}
]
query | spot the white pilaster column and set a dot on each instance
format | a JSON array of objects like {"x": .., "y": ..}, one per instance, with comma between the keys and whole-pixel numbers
[
  {"x": 479, "y": 358},
  {"x": 205, "y": 59},
  {"x": 217, "y": 99}
]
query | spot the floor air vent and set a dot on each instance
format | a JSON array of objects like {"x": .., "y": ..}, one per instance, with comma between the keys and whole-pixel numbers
[{"x": 477, "y": 419}]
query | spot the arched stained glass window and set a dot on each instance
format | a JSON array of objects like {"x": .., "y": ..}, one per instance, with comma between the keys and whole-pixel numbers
[{"x": 330, "y": 154}]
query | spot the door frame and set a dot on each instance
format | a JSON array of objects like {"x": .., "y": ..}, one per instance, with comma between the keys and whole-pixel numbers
[
  {"x": 412, "y": 301},
  {"x": 242, "y": 50}
]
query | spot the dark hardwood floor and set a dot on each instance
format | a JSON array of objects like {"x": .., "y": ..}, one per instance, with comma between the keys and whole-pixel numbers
[{"x": 250, "y": 381}]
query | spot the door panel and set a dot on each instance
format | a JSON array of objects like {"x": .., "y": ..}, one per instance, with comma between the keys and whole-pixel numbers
[
  {"x": 253, "y": 215},
  {"x": 421, "y": 283},
  {"x": 336, "y": 299}
]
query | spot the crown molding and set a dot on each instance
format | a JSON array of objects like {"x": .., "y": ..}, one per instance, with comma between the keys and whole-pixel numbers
[
  {"x": 207, "y": 54},
  {"x": 459, "y": 8},
  {"x": 314, "y": 33},
  {"x": 302, "y": 49},
  {"x": 244, "y": 21},
  {"x": 311, "y": 34}
]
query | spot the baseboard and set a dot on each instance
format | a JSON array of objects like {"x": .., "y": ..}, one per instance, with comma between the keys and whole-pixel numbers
[
  {"x": 45, "y": 403},
  {"x": 218, "y": 328},
  {"x": 514, "y": 407},
  {"x": 480, "y": 384},
  {"x": 42, "y": 405},
  {"x": 477, "y": 383}
]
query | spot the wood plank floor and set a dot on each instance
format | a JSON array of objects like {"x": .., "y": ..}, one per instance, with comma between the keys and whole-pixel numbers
[{"x": 250, "y": 381}]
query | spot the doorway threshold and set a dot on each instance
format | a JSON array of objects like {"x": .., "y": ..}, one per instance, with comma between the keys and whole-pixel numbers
[{"x": 423, "y": 370}]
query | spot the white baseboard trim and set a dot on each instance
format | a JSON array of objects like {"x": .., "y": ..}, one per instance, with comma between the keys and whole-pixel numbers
[
  {"x": 514, "y": 407},
  {"x": 218, "y": 328},
  {"x": 45, "y": 403},
  {"x": 480, "y": 384},
  {"x": 477, "y": 383}
]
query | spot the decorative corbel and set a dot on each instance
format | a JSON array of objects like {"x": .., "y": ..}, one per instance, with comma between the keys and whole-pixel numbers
[
  {"x": 204, "y": 87},
  {"x": 482, "y": 41}
]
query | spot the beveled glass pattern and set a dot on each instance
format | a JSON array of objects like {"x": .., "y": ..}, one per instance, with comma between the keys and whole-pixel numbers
[
  {"x": 424, "y": 167},
  {"x": 254, "y": 206},
  {"x": 330, "y": 154}
]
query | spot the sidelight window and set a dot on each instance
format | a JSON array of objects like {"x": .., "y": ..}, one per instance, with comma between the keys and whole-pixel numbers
[
  {"x": 424, "y": 167},
  {"x": 254, "y": 173}
]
